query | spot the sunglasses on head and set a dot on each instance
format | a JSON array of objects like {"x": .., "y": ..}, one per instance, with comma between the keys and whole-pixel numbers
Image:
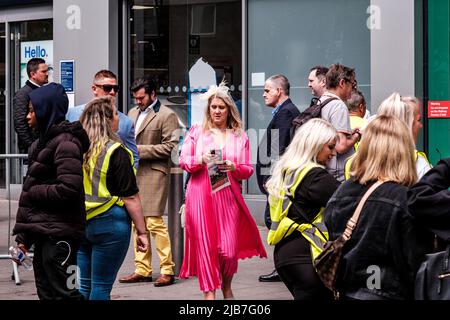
[{"x": 108, "y": 87}]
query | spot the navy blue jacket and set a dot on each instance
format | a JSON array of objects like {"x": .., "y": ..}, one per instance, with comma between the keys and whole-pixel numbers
[
  {"x": 273, "y": 147},
  {"x": 429, "y": 200},
  {"x": 24, "y": 133}
]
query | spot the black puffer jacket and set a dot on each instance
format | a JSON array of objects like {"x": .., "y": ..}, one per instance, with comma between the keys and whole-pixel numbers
[
  {"x": 385, "y": 240},
  {"x": 52, "y": 199},
  {"x": 24, "y": 133}
]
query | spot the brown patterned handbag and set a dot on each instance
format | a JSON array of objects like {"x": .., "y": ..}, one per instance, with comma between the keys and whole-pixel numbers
[{"x": 327, "y": 263}]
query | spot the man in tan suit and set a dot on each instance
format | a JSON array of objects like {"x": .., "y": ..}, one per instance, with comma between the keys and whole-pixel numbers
[{"x": 156, "y": 126}]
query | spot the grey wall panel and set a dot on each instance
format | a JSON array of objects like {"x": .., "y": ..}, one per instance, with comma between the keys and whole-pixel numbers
[
  {"x": 88, "y": 36},
  {"x": 392, "y": 50}
]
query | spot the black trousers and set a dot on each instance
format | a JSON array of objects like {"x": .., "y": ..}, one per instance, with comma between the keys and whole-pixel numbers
[
  {"x": 55, "y": 265},
  {"x": 303, "y": 282},
  {"x": 267, "y": 220}
]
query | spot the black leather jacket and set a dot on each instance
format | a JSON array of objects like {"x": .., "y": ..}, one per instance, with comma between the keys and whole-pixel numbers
[
  {"x": 429, "y": 200},
  {"x": 20, "y": 102},
  {"x": 384, "y": 245}
]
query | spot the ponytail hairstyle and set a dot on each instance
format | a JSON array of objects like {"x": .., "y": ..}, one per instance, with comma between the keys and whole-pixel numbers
[{"x": 96, "y": 120}]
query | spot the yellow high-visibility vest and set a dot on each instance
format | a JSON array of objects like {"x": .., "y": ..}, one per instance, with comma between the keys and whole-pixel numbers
[
  {"x": 418, "y": 153},
  {"x": 97, "y": 197},
  {"x": 282, "y": 226}
]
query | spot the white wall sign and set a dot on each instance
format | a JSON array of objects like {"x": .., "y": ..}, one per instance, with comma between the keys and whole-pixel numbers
[
  {"x": 35, "y": 49},
  {"x": 258, "y": 79}
]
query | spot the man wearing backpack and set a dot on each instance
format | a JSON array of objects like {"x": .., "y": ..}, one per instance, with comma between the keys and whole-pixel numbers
[
  {"x": 275, "y": 140},
  {"x": 340, "y": 81}
]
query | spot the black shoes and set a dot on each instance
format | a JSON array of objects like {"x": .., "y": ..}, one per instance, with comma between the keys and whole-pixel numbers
[{"x": 272, "y": 277}]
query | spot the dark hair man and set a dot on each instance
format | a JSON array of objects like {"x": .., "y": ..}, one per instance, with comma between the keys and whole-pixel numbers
[
  {"x": 317, "y": 80},
  {"x": 156, "y": 126}
]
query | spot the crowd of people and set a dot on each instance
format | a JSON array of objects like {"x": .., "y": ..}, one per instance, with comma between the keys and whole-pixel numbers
[{"x": 96, "y": 176}]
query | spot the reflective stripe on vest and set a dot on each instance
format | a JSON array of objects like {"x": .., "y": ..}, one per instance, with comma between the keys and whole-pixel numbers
[
  {"x": 282, "y": 226},
  {"x": 97, "y": 197}
]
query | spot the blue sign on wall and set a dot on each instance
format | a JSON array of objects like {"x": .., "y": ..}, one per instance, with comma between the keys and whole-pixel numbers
[{"x": 67, "y": 69}]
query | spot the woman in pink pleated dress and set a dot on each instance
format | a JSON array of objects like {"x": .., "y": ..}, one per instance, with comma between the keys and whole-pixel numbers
[{"x": 219, "y": 227}]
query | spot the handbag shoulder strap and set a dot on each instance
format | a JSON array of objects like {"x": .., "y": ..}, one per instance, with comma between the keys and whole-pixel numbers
[{"x": 351, "y": 223}]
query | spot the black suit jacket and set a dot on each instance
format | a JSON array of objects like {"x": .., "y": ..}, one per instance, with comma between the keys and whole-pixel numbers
[{"x": 274, "y": 143}]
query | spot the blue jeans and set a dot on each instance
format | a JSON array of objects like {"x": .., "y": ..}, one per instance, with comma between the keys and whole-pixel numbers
[{"x": 100, "y": 257}]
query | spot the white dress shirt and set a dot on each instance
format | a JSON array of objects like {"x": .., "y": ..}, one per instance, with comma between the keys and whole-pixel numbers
[{"x": 142, "y": 115}]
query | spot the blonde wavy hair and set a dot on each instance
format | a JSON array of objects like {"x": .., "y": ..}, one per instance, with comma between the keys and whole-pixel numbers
[
  {"x": 308, "y": 141},
  {"x": 222, "y": 92},
  {"x": 386, "y": 153},
  {"x": 96, "y": 120}
]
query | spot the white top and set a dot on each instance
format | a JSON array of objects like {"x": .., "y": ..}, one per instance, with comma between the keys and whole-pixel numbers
[
  {"x": 142, "y": 115},
  {"x": 422, "y": 166}
]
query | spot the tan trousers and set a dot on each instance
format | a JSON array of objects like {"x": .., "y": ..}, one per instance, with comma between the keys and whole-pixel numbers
[{"x": 143, "y": 260}]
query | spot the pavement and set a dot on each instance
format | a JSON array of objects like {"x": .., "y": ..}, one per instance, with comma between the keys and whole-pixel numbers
[{"x": 245, "y": 283}]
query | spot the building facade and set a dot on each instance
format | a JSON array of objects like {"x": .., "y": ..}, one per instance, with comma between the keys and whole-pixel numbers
[{"x": 400, "y": 45}]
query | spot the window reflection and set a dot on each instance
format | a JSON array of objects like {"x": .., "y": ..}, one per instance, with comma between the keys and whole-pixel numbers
[{"x": 168, "y": 38}]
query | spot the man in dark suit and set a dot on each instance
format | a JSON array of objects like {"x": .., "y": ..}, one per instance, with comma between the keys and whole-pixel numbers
[{"x": 275, "y": 140}]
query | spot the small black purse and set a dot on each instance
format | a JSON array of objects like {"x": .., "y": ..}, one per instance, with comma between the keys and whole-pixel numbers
[{"x": 433, "y": 278}]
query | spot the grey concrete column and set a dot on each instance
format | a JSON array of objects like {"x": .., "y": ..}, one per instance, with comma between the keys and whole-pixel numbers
[
  {"x": 86, "y": 31},
  {"x": 392, "y": 49}
]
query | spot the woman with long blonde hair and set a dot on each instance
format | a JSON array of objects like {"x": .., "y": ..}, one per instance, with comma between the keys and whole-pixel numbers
[
  {"x": 407, "y": 109},
  {"x": 219, "y": 227},
  {"x": 384, "y": 240},
  {"x": 112, "y": 198},
  {"x": 301, "y": 173}
]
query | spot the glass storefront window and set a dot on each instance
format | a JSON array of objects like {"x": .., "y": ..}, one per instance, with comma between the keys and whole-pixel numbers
[
  {"x": 289, "y": 37},
  {"x": 168, "y": 38}
]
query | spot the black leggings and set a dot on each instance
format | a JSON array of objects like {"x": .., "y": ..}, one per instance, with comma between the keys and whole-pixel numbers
[{"x": 302, "y": 281}]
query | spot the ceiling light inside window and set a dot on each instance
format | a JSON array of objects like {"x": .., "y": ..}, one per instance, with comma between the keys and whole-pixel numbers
[{"x": 136, "y": 7}]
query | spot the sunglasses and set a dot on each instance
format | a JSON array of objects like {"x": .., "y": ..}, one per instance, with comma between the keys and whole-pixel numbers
[{"x": 108, "y": 87}]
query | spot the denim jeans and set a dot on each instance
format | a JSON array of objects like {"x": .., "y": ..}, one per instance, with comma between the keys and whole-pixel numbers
[{"x": 100, "y": 257}]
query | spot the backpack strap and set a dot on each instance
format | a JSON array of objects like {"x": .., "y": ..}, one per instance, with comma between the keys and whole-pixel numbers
[
  {"x": 314, "y": 102},
  {"x": 325, "y": 102}
]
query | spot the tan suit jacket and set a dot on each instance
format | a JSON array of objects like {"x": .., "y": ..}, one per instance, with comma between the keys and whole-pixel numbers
[{"x": 156, "y": 137}]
